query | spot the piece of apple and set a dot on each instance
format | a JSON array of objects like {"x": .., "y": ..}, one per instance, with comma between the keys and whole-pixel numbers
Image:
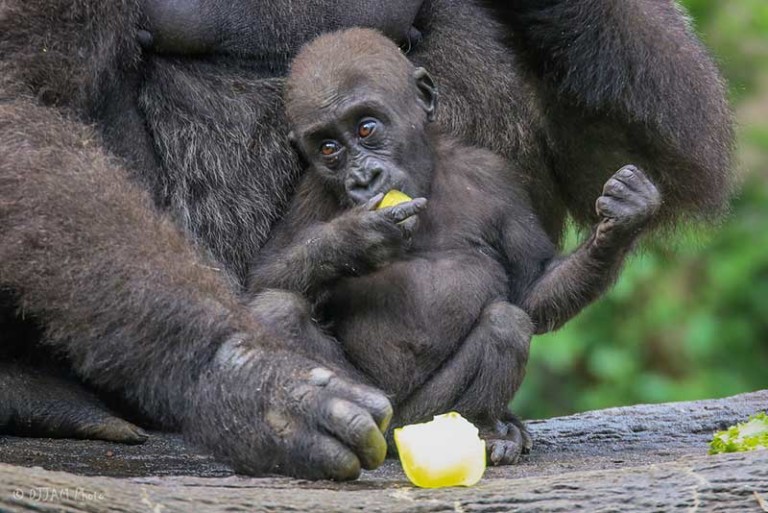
[
  {"x": 444, "y": 452},
  {"x": 392, "y": 198}
]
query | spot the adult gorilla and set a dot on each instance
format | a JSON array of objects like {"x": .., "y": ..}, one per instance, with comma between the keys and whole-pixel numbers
[{"x": 144, "y": 158}]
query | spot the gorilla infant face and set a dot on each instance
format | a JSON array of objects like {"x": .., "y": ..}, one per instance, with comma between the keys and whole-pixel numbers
[{"x": 361, "y": 124}]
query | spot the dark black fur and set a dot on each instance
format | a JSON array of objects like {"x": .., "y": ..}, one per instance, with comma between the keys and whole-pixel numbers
[{"x": 136, "y": 182}]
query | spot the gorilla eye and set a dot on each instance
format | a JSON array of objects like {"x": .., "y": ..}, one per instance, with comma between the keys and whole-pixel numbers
[
  {"x": 366, "y": 128},
  {"x": 329, "y": 148}
]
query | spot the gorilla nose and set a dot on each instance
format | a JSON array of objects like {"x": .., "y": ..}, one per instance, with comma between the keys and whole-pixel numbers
[{"x": 365, "y": 184}]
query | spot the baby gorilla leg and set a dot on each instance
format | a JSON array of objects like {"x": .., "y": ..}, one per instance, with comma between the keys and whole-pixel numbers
[
  {"x": 479, "y": 380},
  {"x": 41, "y": 403}
]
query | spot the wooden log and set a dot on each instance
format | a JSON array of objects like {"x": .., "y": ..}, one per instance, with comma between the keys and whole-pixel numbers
[{"x": 640, "y": 458}]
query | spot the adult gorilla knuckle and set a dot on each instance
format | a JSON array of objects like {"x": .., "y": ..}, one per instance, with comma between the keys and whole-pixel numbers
[
  {"x": 359, "y": 423},
  {"x": 303, "y": 395},
  {"x": 320, "y": 376},
  {"x": 337, "y": 408},
  {"x": 281, "y": 424},
  {"x": 380, "y": 405},
  {"x": 311, "y": 389}
]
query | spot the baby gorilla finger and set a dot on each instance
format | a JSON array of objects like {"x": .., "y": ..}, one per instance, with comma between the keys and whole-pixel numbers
[
  {"x": 372, "y": 203},
  {"x": 356, "y": 429},
  {"x": 630, "y": 176},
  {"x": 637, "y": 181},
  {"x": 616, "y": 208},
  {"x": 616, "y": 188},
  {"x": 403, "y": 211},
  {"x": 607, "y": 206}
]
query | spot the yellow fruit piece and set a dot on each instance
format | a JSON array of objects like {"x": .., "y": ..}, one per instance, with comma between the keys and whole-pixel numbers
[
  {"x": 392, "y": 198},
  {"x": 444, "y": 452}
]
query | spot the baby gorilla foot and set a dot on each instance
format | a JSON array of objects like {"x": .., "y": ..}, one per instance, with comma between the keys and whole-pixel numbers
[
  {"x": 506, "y": 441},
  {"x": 34, "y": 402}
]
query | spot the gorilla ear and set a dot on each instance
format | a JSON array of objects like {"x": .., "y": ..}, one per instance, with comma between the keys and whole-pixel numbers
[{"x": 427, "y": 92}]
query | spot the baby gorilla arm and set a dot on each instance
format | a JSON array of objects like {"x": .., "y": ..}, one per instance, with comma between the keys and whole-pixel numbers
[
  {"x": 306, "y": 260},
  {"x": 570, "y": 283}
]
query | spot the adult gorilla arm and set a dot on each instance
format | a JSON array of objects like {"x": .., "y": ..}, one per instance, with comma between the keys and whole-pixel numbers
[
  {"x": 579, "y": 89},
  {"x": 627, "y": 82},
  {"x": 122, "y": 293}
]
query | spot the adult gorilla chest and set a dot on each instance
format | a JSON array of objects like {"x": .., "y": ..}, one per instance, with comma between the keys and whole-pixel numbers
[
  {"x": 210, "y": 98},
  {"x": 226, "y": 170},
  {"x": 261, "y": 28}
]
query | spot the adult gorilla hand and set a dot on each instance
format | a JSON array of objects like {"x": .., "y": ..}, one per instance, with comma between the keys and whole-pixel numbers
[{"x": 264, "y": 410}]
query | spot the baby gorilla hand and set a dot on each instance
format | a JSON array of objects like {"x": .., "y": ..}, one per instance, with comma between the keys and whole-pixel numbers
[
  {"x": 376, "y": 237},
  {"x": 272, "y": 411},
  {"x": 628, "y": 203}
]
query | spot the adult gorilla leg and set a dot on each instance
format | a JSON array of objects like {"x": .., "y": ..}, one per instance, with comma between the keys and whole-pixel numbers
[
  {"x": 288, "y": 316},
  {"x": 616, "y": 79},
  {"x": 139, "y": 314},
  {"x": 39, "y": 402},
  {"x": 479, "y": 380}
]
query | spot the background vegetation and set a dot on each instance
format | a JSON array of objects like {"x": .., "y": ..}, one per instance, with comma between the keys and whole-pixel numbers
[{"x": 687, "y": 320}]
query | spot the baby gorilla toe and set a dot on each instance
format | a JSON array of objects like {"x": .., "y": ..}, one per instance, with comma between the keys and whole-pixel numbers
[{"x": 507, "y": 441}]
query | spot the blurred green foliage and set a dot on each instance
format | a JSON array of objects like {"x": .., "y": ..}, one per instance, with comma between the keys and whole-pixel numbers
[{"x": 687, "y": 319}]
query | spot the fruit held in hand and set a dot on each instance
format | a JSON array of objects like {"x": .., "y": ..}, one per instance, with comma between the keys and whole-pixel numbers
[
  {"x": 444, "y": 452},
  {"x": 392, "y": 198}
]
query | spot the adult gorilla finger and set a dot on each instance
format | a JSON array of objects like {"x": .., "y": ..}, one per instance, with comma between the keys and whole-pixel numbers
[
  {"x": 356, "y": 429},
  {"x": 324, "y": 457},
  {"x": 368, "y": 398}
]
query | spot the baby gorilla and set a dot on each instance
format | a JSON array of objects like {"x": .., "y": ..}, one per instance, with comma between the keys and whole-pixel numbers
[{"x": 426, "y": 307}]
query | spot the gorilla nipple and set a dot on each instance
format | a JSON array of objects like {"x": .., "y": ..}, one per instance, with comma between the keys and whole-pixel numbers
[{"x": 181, "y": 27}]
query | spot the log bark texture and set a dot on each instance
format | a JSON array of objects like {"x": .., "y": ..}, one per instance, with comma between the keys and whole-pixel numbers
[{"x": 641, "y": 458}]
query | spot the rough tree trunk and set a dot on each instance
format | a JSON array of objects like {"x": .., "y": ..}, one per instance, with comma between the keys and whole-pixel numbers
[{"x": 640, "y": 458}]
